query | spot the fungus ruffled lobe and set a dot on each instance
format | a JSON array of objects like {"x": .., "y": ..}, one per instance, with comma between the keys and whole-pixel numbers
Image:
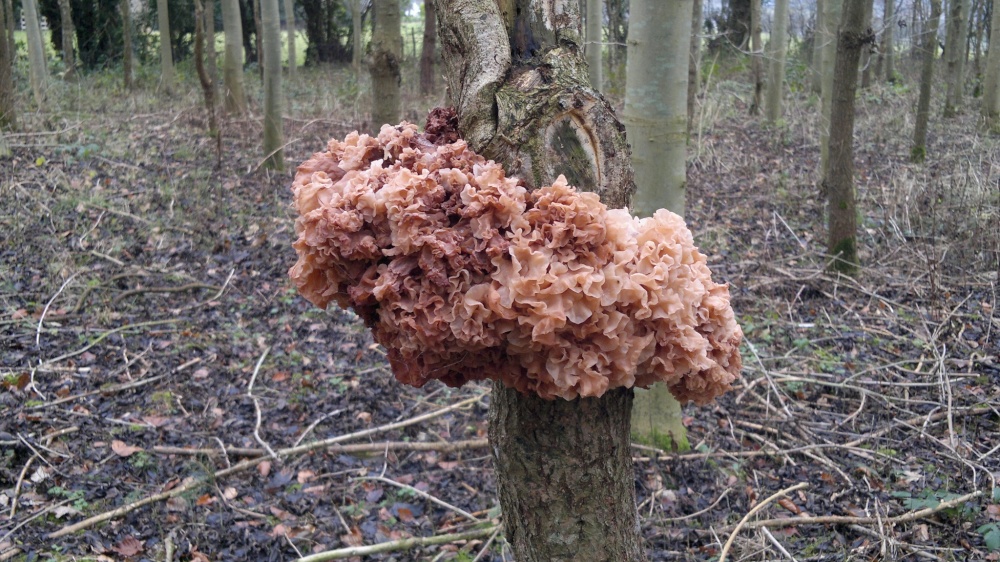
[{"x": 463, "y": 274}]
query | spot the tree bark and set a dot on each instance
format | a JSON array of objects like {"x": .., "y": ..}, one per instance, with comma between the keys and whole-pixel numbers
[
  {"x": 595, "y": 40},
  {"x": 756, "y": 57},
  {"x": 918, "y": 152},
  {"x": 258, "y": 23},
  {"x": 955, "y": 54},
  {"x": 273, "y": 137},
  {"x": 166, "y": 57},
  {"x": 991, "y": 84},
  {"x": 356, "y": 37},
  {"x": 694, "y": 64},
  {"x": 38, "y": 73},
  {"x": 888, "y": 46},
  {"x": 517, "y": 77},
  {"x": 232, "y": 62},
  {"x": 777, "y": 52},
  {"x": 68, "y": 33},
  {"x": 387, "y": 56},
  {"x": 428, "y": 49},
  {"x": 293, "y": 59},
  {"x": 211, "y": 55},
  {"x": 8, "y": 111},
  {"x": 866, "y": 53},
  {"x": 831, "y": 22},
  {"x": 854, "y": 36},
  {"x": 207, "y": 87},
  {"x": 816, "y": 56},
  {"x": 127, "y": 55}
]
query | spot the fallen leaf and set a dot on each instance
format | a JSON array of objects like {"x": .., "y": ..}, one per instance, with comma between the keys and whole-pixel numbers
[
  {"x": 19, "y": 314},
  {"x": 39, "y": 475},
  {"x": 204, "y": 499},
  {"x": 264, "y": 468},
  {"x": 305, "y": 476},
  {"x": 230, "y": 493},
  {"x": 789, "y": 505},
  {"x": 64, "y": 510},
  {"x": 128, "y": 547},
  {"x": 123, "y": 450},
  {"x": 177, "y": 503},
  {"x": 354, "y": 538},
  {"x": 200, "y": 373}
]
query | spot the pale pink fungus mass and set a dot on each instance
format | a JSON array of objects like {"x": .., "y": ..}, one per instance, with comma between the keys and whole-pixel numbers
[{"x": 463, "y": 274}]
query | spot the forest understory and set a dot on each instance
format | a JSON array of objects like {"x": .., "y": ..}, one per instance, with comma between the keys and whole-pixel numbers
[{"x": 151, "y": 345}]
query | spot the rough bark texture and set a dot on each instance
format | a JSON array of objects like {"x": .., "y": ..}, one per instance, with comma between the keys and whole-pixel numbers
[
  {"x": 776, "y": 54},
  {"x": 595, "y": 38},
  {"x": 38, "y": 73},
  {"x": 273, "y": 137},
  {"x": 955, "y": 54},
  {"x": 428, "y": 49},
  {"x": 232, "y": 62},
  {"x": 831, "y": 21},
  {"x": 991, "y": 84},
  {"x": 694, "y": 64},
  {"x": 919, "y": 149},
  {"x": 888, "y": 45},
  {"x": 517, "y": 77},
  {"x": 293, "y": 58},
  {"x": 756, "y": 57},
  {"x": 127, "y": 55},
  {"x": 166, "y": 57},
  {"x": 854, "y": 36},
  {"x": 387, "y": 55},
  {"x": 68, "y": 33},
  {"x": 8, "y": 113}
]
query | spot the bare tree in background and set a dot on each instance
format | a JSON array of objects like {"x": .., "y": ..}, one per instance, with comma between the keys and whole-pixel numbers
[
  {"x": 888, "y": 45},
  {"x": 918, "y": 151},
  {"x": 387, "y": 52},
  {"x": 991, "y": 83},
  {"x": 756, "y": 57},
  {"x": 68, "y": 33},
  {"x": 166, "y": 57},
  {"x": 428, "y": 50},
  {"x": 694, "y": 65},
  {"x": 831, "y": 21},
  {"x": 8, "y": 110},
  {"x": 293, "y": 59},
  {"x": 273, "y": 136},
  {"x": 38, "y": 72},
  {"x": 127, "y": 55},
  {"x": 776, "y": 55},
  {"x": 356, "y": 36},
  {"x": 955, "y": 54},
  {"x": 595, "y": 40},
  {"x": 232, "y": 62}
]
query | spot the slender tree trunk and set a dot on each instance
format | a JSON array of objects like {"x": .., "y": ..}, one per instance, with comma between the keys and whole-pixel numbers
[
  {"x": 356, "y": 37},
  {"x": 68, "y": 33},
  {"x": 694, "y": 65},
  {"x": 293, "y": 60},
  {"x": 888, "y": 46},
  {"x": 273, "y": 137},
  {"x": 211, "y": 55},
  {"x": 655, "y": 118},
  {"x": 819, "y": 39},
  {"x": 207, "y": 88},
  {"x": 779, "y": 47},
  {"x": 919, "y": 150},
  {"x": 991, "y": 83},
  {"x": 38, "y": 73},
  {"x": 866, "y": 53},
  {"x": 166, "y": 57},
  {"x": 756, "y": 57},
  {"x": 428, "y": 50},
  {"x": 232, "y": 62},
  {"x": 853, "y": 37},
  {"x": 955, "y": 54},
  {"x": 595, "y": 40},
  {"x": 831, "y": 19},
  {"x": 564, "y": 473},
  {"x": 8, "y": 111},
  {"x": 258, "y": 23},
  {"x": 127, "y": 56},
  {"x": 387, "y": 51}
]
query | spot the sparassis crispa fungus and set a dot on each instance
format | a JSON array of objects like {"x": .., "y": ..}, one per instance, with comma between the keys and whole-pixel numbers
[{"x": 463, "y": 274}]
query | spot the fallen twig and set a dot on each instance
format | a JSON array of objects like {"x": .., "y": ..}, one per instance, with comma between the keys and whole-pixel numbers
[
  {"x": 393, "y": 546},
  {"x": 441, "y": 447},
  {"x": 424, "y": 495},
  {"x": 758, "y": 507}
]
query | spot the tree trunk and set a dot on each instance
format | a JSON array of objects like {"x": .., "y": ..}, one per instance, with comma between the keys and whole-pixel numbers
[
  {"x": 38, "y": 73},
  {"x": 356, "y": 37},
  {"x": 564, "y": 473},
  {"x": 831, "y": 22},
  {"x": 259, "y": 26},
  {"x": 888, "y": 46},
  {"x": 919, "y": 150},
  {"x": 127, "y": 54},
  {"x": 595, "y": 40},
  {"x": 271, "y": 39},
  {"x": 232, "y": 62},
  {"x": 428, "y": 50},
  {"x": 387, "y": 52},
  {"x": 738, "y": 26},
  {"x": 694, "y": 64},
  {"x": 991, "y": 84},
  {"x": 853, "y": 37},
  {"x": 779, "y": 48},
  {"x": 816, "y": 57},
  {"x": 955, "y": 54},
  {"x": 293, "y": 59},
  {"x": 866, "y": 53},
  {"x": 8, "y": 112},
  {"x": 756, "y": 57},
  {"x": 211, "y": 55},
  {"x": 68, "y": 33},
  {"x": 207, "y": 88},
  {"x": 166, "y": 57}
]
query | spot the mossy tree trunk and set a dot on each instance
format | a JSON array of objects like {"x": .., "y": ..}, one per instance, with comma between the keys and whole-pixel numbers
[
  {"x": 232, "y": 62},
  {"x": 271, "y": 39},
  {"x": 387, "y": 56},
  {"x": 38, "y": 72},
  {"x": 831, "y": 21},
  {"x": 517, "y": 76},
  {"x": 854, "y": 36},
  {"x": 293, "y": 60},
  {"x": 166, "y": 57},
  {"x": 955, "y": 54},
  {"x": 694, "y": 64},
  {"x": 127, "y": 56},
  {"x": 595, "y": 40},
  {"x": 991, "y": 83},
  {"x": 918, "y": 151},
  {"x": 68, "y": 33},
  {"x": 428, "y": 49},
  {"x": 655, "y": 115},
  {"x": 8, "y": 109},
  {"x": 888, "y": 44},
  {"x": 776, "y": 54}
]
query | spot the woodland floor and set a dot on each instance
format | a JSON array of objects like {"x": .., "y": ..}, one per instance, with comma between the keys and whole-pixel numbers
[{"x": 146, "y": 324}]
